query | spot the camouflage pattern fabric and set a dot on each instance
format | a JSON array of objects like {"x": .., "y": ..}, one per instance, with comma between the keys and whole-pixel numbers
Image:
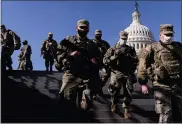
[
  {"x": 7, "y": 46},
  {"x": 49, "y": 49},
  {"x": 123, "y": 61},
  {"x": 163, "y": 65},
  {"x": 25, "y": 62},
  {"x": 80, "y": 67}
]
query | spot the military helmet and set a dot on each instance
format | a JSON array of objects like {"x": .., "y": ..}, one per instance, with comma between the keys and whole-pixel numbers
[
  {"x": 82, "y": 22},
  {"x": 50, "y": 34},
  {"x": 123, "y": 34},
  {"x": 2, "y": 26},
  {"x": 98, "y": 32},
  {"x": 166, "y": 28},
  {"x": 25, "y": 41}
]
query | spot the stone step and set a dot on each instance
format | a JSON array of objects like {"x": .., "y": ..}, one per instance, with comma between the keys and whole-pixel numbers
[{"x": 32, "y": 97}]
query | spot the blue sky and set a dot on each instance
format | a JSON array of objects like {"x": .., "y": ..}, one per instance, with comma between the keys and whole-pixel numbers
[{"x": 33, "y": 20}]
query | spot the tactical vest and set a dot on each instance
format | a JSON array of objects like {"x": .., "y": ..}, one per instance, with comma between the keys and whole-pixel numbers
[
  {"x": 28, "y": 49},
  {"x": 12, "y": 41},
  {"x": 50, "y": 49},
  {"x": 79, "y": 65},
  {"x": 103, "y": 47},
  {"x": 169, "y": 57},
  {"x": 124, "y": 63},
  {"x": 7, "y": 39}
]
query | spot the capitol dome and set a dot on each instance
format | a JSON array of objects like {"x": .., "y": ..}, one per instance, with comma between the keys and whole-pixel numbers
[{"x": 138, "y": 35}]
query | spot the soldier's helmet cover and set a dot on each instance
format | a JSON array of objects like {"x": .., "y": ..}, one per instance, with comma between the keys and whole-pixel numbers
[
  {"x": 83, "y": 22},
  {"x": 167, "y": 28},
  {"x": 123, "y": 34},
  {"x": 98, "y": 32},
  {"x": 2, "y": 26},
  {"x": 50, "y": 34},
  {"x": 25, "y": 41}
]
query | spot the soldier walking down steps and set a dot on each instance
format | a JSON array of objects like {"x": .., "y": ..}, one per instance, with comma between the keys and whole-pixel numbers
[
  {"x": 122, "y": 60},
  {"x": 25, "y": 62},
  {"x": 161, "y": 62},
  {"x": 48, "y": 50}
]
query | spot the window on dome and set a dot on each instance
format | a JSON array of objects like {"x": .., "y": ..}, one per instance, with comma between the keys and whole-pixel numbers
[
  {"x": 134, "y": 45},
  {"x": 141, "y": 45},
  {"x": 137, "y": 46}
]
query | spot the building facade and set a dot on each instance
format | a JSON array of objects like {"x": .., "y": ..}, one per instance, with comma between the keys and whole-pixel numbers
[{"x": 139, "y": 36}]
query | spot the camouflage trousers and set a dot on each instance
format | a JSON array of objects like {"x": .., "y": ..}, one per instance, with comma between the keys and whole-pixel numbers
[
  {"x": 104, "y": 76},
  {"x": 118, "y": 82},
  {"x": 6, "y": 60},
  {"x": 49, "y": 60},
  {"x": 168, "y": 106},
  {"x": 25, "y": 64},
  {"x": 71, "y": 82}
]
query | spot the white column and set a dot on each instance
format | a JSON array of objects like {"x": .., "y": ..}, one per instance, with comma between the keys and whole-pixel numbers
[{"x": 135, "y": 46}]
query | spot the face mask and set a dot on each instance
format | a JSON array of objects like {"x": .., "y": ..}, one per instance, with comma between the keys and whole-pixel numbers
[
  {"x": 121, "y": 42},
  {"x": 50, "y": 37},
  {"x": 82, "y": 34},
  {"x": 167, "y": 39},
  {"x": 98, "y": 37}
]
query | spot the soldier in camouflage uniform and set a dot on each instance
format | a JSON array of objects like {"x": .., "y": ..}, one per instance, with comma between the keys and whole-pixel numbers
[
  {"x": 49, "y": 49},
  {"x": 103, "y": 47},
  {"x": 25, "y": 62},
  {"x": 80, "y": 58},
  {"x": 122, "y": 60},
  {"x": 161, "y": 62},
  {"x": 9, "y": 42}
]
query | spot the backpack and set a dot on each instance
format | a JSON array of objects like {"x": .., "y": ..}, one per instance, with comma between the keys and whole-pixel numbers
[{"x": 17, "y": 40}]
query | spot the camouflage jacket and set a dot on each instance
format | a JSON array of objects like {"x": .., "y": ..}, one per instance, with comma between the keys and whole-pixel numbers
[
  {"x": 10, "y": 40},
  {"x": 7, "y": 41},
  {"x": 103, "y": 46},
  {"x": 49, "y": 47},
  {"x": 125, "y": 60},
  {"x": 81, "y": 63},
  {"x": 160, "y": 62},
  {"x": 26, "y": 52}
]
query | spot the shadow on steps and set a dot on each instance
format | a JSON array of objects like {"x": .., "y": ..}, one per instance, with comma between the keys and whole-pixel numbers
[{"x": 23, "y": 104}]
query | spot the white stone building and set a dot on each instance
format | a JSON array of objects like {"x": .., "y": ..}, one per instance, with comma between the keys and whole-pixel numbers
[{"x": 138, "y": 35}]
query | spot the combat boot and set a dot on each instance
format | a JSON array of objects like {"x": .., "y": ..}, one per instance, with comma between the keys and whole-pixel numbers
[
  {"x": 47, "y": 68},
  {"x": 127, "y": 114},
  {"x": 114, "y": 107},
  {"x": 50, "y": 68}
]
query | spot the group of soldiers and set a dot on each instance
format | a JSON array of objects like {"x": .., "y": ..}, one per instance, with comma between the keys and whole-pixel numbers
[
  {"x": 10, "y": 42},
  {"x": 81, "y": 58}
]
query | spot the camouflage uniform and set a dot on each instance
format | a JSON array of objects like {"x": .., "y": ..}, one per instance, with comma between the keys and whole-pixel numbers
[
  {"x": 8, "y": 45},
  {"x": 122, "y": 60},
  {"x": 162, "y": 64},
  {"x": 103, "y": 47},
  {"x": 84, "y": 65},
  {"x": 49, "y": 49},
  {"x": 25, "y": 62}
]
